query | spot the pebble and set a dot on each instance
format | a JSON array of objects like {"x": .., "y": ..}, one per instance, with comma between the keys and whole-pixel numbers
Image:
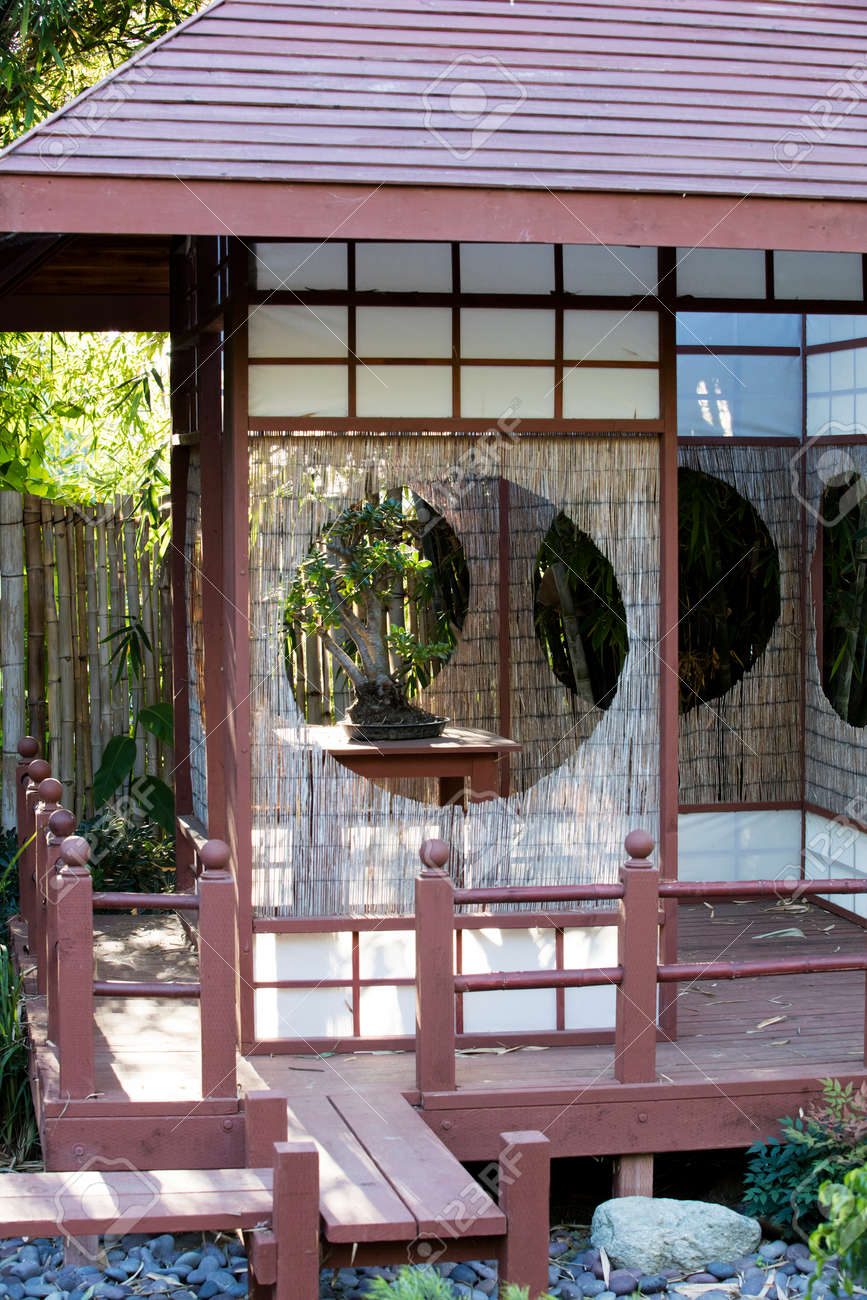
[
  {"x": 463, "y": 1273},
  {"x": 621, "y": 1282},
  {"x": 591, "y": 1286},
  {"x": 720, "y": 1270},
  {"x": 569, "y": 1291},
  {"x": 702, "y": 1277},
  {"x": 772, "y": 1250},
  {"x": 652, "y": 1283}
]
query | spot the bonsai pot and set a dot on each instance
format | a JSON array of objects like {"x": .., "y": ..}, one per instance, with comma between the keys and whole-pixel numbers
[{"x": 416, "y": 730}]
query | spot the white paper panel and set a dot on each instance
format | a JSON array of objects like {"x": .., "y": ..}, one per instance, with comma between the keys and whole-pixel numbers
[
  {"x": 747, "y": 329},
  {"x": 521, "y": 393},
  {"x": 404, "y": 332},
  {"x": 299, "y": 266},
  {"x": 837, "y": 392},
  {"x": 507, "y": 268},
  {"x": 590, "y": 1008},
  {"x": 298, "y": 331},
  {"x": 818, "y": 275},
  {"x": 590, "y": 394},
  {"x": 834, "y": 329},
  {"x": 615, "y": 269},
  {"x": 387, "y": 1011},
  {"x": 836, "y": 852},
  {"x": 611, "y": 335},
  {"x": 514, "y": 1009},
  {"x": 298, "y": 390},
  {"x": 404, "y": 268},
  {"x": 761, "y": 845},
  {"x": 511, "y": 334},
  {"x": 385, "y": 953},
  {"x": 303, "y": 1013},
  {"x": 721, "y": 272},
  {"x": 733, "y": 396},
  {"x": 302, "y": 956},
  {"x": 404, "y": 391},
  {"x": 498, "y": 950}
]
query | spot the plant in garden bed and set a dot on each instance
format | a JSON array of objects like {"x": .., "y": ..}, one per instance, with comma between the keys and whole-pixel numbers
[
  {"x": 844, "y": 1236},
  {"x": 147, "y": 795},
  {"x": 128, "y": 857},
  {"x": 352, "y": 591},
  {"x": 19, "y": 1137},
  {"x": 820, "y": 1144}
]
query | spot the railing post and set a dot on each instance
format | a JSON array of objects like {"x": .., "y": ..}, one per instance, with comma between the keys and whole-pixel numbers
[
  {"x": 37, "y": 771},
  {"x": 74, "y": 904},
  {"x": 295, "y": 1219},
  {"x": 218, "y": 965},
  {"x": 61, "y": 823},
  {"x": 265, "y": 1123},
  {"x": 435, "y": 978},
  {"x": 28, "y": 749},
  {"x": 638, "y": 956},
  {"x": 49, "y": 793},
  {"x": 523, "y": 1188}
]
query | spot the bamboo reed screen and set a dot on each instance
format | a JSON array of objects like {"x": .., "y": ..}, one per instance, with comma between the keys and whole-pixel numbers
[
  {"x": 195, "y": 639},
  {"x": 746, "y": 745},
  {"x": 326, "y": 841},
  {"x": 836, "y": 752}
]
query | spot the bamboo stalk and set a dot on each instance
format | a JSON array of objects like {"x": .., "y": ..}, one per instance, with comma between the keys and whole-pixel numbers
[
  {"x": 151, "y": 694},
  {"x": 66, "y": 651},
  {"x": 82, "y": 709},
  {"x": 166, "y": 683},
  {"x": 36, "y": 707},
  {"x": 12, "y": 649},
  {"x": 52, "y": 645},
  {"x": 103, "y": 649},
  {"x": 118, "y": 620},
  {"x": 134, "y": 610}
]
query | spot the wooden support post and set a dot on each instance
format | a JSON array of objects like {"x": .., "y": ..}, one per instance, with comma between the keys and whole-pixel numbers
[
  {"x": 638, "y": 947},
  {"x": 217, "y": 966},
  {"x": 49, "y": 793},
  {"x": 265, "y": 1123},
  {"x": 37, "y": 770},
  {"x": 295, "y": 1220},
  {"x": 633, "y": 1176},
  {"x": 435, "y": 979},
  {"x": 524, "y": 1194},
  {"x": 185, "y": 865},
  {"x": 74, "y": 1022},
  {"x": 28, "y": 748},
  {"x": 61, "y": 823}
]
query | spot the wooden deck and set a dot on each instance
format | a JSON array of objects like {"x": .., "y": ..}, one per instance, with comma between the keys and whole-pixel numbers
[{"x": 748, "y": 1051}]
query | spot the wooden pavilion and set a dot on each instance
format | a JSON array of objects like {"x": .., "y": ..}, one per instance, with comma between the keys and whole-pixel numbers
[{"x": 525, "y": 262}]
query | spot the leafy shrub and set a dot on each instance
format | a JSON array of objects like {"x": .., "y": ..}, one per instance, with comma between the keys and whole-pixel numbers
[
  {"x": 126, "y": 857},
  {"x": 18, "y": 1133},
  {"x": 845, "y": 1233},
  {"x": 412, "y": 1284},
  {"x": 8, "y": 874},
  {"x": 820, "y": 1144}
]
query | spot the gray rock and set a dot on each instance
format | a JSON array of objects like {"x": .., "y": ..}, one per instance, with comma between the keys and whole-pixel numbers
[
  {"x": 30, "y": 1252},
  {"x": 621, "y": 1281},
  {"x": 463, "y": 1273},
  {"x": 236, "y": 1289},
  {"x": 571, "y": 1291},
  {"x": 192, "y": 1258},
  {"x": 654, "y": 1233},
  {"x": 715, "y": 1295},
  {"x": 606, "y": 1295},
  {"x": 771, "y": 1250},
  {"x": 15, "y": 1288},
  {"x": 27, "y": 1269},
  {"x": 721, "y": 1270},
  {"x": 36, "y": 1287},
  {"x": 557, "y": 1248},
  {"x": 798, "y": 1250},
  {"x": 754, "y": 1280},
  {"x": 651, "y": 1283},
  {"x": 701, "y": 1277},
  {"x": 553, "y": 1275},
  {"x": 485, "y": 1272},
  {"x": 208, "y": 1288},
  {"x": 591, "y": 1286}
]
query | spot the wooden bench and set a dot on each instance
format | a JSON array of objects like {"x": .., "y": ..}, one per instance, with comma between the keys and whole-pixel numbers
[{"x": 341, "y": 1180}]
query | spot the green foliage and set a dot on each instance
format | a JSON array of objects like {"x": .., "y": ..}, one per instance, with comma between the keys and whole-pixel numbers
[
  {"x": 127, "y": 857},
  {"x": 9, "y": 855},
  {"x": 150, "y": 796},
  {"x": 729, "y": 587},
  {"x": 421, "y": 1283},
  {"x": 510, "y": 1292},
  {"x": 844, "y": 599},
  {"x": 592, "y": 599},
  {"x": 158, "y": 719},
  {"x": 19, "y": 1138},
  {"x": 117, "y": 762},
  {"x": 784, "y": 1175},
  {"x": 845, "y": 1232}
]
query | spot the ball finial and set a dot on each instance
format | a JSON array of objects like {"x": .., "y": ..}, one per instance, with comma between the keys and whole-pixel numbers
[
  {"x": 50, "y": 790},
  {"x": 75, "y": 851},
  {"x": 39, "y": 769},
  {"x": 639, "y": 844},
  {"x": 214, "y": 855},
  {"x": 61, "y": 823},
  {"x": 28, "y": 747},
  {"x": 434, "y": 854}
]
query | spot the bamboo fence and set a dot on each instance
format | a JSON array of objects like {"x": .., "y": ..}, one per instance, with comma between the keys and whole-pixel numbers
[
  {"x": 69, "y": 577},
  {"x": 329, "y": 841}
]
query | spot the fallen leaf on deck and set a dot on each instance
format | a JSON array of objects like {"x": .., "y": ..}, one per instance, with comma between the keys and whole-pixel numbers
[
  {"x": 774, "y": 1020},
  {"x": 792, "y": 933},
  {"x": 606, "y": 1265},
  {"x": 779, "y": 1042}
]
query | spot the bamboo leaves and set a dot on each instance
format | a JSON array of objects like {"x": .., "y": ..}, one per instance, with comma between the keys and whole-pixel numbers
[{"x": 116, "y": 766}]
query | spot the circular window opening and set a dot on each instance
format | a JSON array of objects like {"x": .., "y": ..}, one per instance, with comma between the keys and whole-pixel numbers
[
  {"x": 844, "y": 590},
  {"x": 578, "y": 613},
  {"x": 380, "y": 597},
  {"x": 729, "y": 587}
]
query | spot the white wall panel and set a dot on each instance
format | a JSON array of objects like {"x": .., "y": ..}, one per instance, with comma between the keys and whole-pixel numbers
[
  {"x": 590, "y": 394},
  {"x": 614, "y": 269},
  {"x": 303, "y": 1013},
  {"x": 387, "y": 1011},
  {"x": 721, "y": 272},
  {"x": 297, "y": 331},
  {"x": 498, "y": 950},
  {"x": 298, "y": 390},
  {"x": 302, "y": 956},
  {"x": 404, "y": 391},
  {"x": 508, "y": 1010},
  {"x": 299, "y": 266},
  {"x": 743, "y": 845},
  {"x": 403, "y": 332},
  {"x": 507, "y": 268},
  {"x": 835, "y": 851},
  {"x": 818, "y": 275},
  {"x": 611, "y": 335},
  {"x": 403, "y": 267},
  {"x": 493, "y": 391},
  {"x": 515, "y": 334},
  {"x": 383, "y": 954}
]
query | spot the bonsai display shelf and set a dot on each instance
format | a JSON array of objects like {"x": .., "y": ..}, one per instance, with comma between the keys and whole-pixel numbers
[{"x": 465, "y": 762}]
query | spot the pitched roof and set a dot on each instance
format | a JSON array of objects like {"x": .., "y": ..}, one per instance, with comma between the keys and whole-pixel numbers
[{"x": 676, "y": 96}]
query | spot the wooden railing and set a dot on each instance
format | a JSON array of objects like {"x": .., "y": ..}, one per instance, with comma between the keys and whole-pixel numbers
[
  {"x": 57, "y": 903},
  {"x": 636, "y": 977}
]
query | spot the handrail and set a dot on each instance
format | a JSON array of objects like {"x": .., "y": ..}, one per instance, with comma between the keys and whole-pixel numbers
[
  {"x": 117, "y": 902},
  {"x": 156, "y": 989},
  {"x": 739, "y": 970},
  {"x": 539, "y": 979},
  {"x": 760, "y": 888},
  {"x": 540, "y": 893}
]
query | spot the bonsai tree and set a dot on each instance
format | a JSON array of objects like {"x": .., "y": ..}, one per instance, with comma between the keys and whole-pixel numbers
[{"x": 351, "y": 591}]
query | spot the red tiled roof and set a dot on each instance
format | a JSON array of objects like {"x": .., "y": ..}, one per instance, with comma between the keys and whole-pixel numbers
[{"x": 669, "y": 96}]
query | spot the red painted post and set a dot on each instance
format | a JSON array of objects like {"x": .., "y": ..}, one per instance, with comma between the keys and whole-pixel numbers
[
  {"x": 265, "y": 1123},
  {"x": 28, "y": 748},
  {"x": 524, "y": 1195},
  {"x": 74, "y": 906},
  {"x": 295, "y": 1219},
  {"x": 638, "y": 955},
  {"x": 37, "y": 770},
  {"x": 217, "y": 971},
  {"x": 49, "y": 793},
  {"x": 60, "y": 824},
  {"x": 435, "y": 978}
]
